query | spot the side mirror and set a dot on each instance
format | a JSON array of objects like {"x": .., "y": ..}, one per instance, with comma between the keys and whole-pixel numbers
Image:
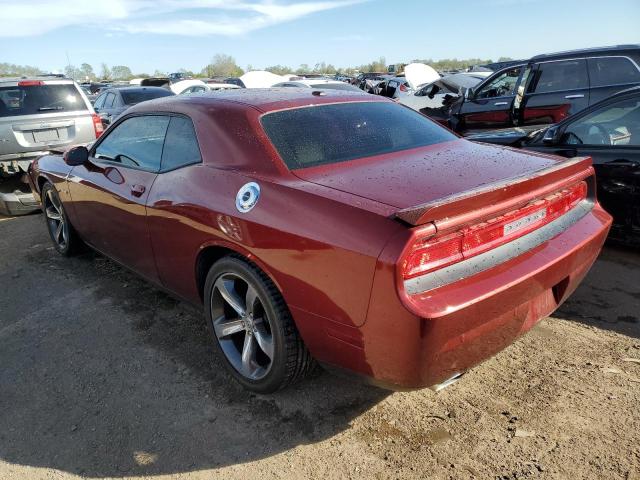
[
  {"x": 76, "y": 156},
  {"x": 468, "y": 93},
  {"x": 550, "y": 136}
]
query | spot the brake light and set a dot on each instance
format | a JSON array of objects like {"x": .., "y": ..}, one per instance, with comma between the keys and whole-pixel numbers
[
  {"x": 428, "y": 254},
  {"x": 403, "y": 88},
  {"x": 30, "y": 83},
  {"x": 97, "y": 125}
]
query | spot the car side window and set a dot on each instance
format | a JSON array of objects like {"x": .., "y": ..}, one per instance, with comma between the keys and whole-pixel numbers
[
  {"x": 99, "y": 101},
  {"x": 561, "y": 75},
  {"x": 504, "y": 85},
  {"x": 180, "y": 145},
  {"x": 136, "y": 142},
  {"x": 612, "y": 71},
  {"x": 108, "y": 101},
  {"x": 617, "y": 124}
]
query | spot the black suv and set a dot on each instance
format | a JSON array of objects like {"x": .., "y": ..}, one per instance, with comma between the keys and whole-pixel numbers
[
  {"x": 546, "y": 89},
  {"x": 609, "y": 133}
]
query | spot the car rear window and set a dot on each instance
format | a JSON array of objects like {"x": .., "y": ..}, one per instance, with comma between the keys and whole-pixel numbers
[
  {"x": 36, "y": 99},
  {"x": 131, "y": 98},
  {"x": 326, "y": 134}
]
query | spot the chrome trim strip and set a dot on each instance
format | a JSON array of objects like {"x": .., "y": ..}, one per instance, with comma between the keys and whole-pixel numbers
[{"x": 496, "y": 256}]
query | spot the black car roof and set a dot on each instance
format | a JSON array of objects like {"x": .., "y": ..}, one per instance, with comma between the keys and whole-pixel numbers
[
  {"x": 134, "y": 89},
  {"x": 597, "y": 51}
]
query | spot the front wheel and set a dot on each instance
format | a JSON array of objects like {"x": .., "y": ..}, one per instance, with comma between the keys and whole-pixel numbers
[
  {"x": 252, "y": 327},
  {"x": 64, "y": 238}
]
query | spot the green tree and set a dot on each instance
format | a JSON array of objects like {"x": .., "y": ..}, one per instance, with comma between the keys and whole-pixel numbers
[
  {"x": 72, "y": 72},
  {"x": 12, "y": 70},
  {"x": 278, "y": 69},
  {"x": 105, "y": 72},
  {"x": 222, "y": 65},
  {"x": 302, "y": 69},
  {"x": 86, "y": 72},
  {"x": 121, "y": 72}
]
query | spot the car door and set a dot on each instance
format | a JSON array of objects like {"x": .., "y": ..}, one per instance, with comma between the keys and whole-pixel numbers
[
  {"x": 110, "y": 192},
  {"x": 490, "y": 106},
  {"x": 609, "y": 135},
  {"x": 170, "y": 228},
  {"x": 558, "y": 89}
]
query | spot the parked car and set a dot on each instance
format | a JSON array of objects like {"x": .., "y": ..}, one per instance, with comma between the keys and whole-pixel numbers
[
  {"x": 369, "y": 81},
  {"x": 320, "y": 84},
  {"x": 609, "y": 133},
  {"x": 113, "y": 101},
  {"x": 340, "y": 228},
  {"x": 38, "y": 114},
  {"x": 190, "y": 87},
  {"x": 436, "y": 94},
  {"x": 546, "y": 89}
]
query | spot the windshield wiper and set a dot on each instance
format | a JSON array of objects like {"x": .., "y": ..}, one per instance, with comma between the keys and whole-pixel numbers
[{"x": 43, "y": 109}]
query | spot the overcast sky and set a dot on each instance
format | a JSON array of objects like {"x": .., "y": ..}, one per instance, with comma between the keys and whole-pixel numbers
[{"x": 170, "y": 34}]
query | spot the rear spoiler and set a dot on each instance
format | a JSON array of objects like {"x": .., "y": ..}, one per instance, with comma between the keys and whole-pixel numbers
[{"x": 496, "y": 193}]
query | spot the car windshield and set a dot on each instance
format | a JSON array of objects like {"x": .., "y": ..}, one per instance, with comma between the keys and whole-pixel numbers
[
  {"x": 137, "y": 96},
  {"x": 326, "y": 134},
  {"x": 36, "y": 99}
]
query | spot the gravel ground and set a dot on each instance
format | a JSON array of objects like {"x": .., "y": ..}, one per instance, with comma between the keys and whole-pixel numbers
[{"x": 103, "y": 375}]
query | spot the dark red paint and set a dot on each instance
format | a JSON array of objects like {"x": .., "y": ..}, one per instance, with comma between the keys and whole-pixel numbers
[{"x": 329, "y": 238}]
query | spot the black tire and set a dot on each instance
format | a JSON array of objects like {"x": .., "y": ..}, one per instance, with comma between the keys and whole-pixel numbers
[
  {"x": 63, "y": 236},
  {"x": 290, "y": 360}
]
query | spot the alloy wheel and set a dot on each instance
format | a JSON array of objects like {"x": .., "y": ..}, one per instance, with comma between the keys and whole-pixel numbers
[
  {"x": 242, "y": 326},
  {"x": 55, "y": 219}
]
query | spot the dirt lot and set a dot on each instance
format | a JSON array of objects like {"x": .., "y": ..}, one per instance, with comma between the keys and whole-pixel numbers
[{"x": 101, "y": 375}]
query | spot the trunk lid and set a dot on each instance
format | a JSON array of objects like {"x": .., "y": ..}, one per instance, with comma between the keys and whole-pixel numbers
[{"x": 446, "y": 180}]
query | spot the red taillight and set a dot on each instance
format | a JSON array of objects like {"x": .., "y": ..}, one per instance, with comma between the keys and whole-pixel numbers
[
  {"x": 427, "y": 255},
  {"x": 30, "y": 83},
  {"x": 403, "y": 88},
  {"x": 97, "y": 125}
]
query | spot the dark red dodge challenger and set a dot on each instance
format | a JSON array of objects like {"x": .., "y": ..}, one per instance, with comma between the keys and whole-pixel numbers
[{"x": 331, "y": 227}]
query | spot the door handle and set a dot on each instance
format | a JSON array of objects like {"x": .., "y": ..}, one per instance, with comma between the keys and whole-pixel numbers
[
  {"x": 137, "y": 190},
  {"x": 498, "y": 104},
  {"x": 579, "y": 95}
]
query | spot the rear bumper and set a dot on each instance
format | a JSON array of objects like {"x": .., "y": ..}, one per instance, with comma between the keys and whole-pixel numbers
[
  {"x": 470, "y": 320},
  {"x": 15, "y": 199}
]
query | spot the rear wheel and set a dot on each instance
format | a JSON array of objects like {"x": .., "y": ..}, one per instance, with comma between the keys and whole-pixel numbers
[
  {"x": 252, "y": 327},
  {"x": 64, "y": 238}
]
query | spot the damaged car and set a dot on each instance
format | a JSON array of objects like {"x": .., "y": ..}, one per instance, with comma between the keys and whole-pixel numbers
[
  {"x": 275, "y": 211},
  {"x": 38, "y": 114},
  {"x": 546, "y": 89},
  {"x": 440, "y": 92},
  {"x": 609, "y": 133}
]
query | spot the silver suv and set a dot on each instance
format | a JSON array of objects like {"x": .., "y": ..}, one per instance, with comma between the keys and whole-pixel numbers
[{"x": 38, "y": 114}]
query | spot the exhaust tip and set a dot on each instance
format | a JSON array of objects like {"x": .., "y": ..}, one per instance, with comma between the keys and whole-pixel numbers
[{"x": 450, "y": 381}]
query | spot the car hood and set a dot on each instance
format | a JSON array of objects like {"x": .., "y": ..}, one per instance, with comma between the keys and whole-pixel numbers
[
  {"x": 419, "y": 74},
  {"x": 423, "y": 175}
]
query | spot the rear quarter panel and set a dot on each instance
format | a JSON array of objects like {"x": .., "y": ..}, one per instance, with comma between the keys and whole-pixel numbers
[{"x": 320, "y": 253}]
